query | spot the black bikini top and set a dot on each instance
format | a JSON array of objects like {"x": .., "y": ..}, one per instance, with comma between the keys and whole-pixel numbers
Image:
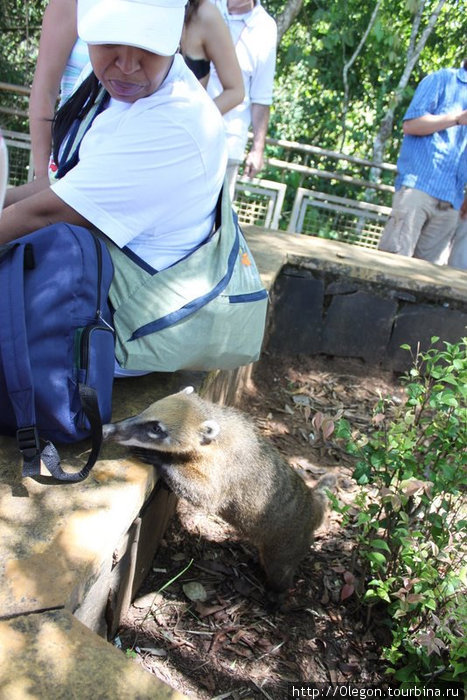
[{"x": 199, "y": 66}]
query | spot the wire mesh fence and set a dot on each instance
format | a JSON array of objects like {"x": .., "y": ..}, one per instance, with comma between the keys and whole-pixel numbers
[
  {"x": 312, "y": 209},
  {"x": 259, "y": 202},
  {"x": 20, "y": 169},
  {"x": 338, "y": 218}
]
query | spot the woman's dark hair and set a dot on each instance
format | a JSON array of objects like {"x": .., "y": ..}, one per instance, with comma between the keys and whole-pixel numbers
[
  {"x": 76, "y": 107},
  {"x": 191, "y": 9}
]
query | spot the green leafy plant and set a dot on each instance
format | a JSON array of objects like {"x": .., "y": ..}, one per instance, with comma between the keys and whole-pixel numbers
[{"x": 411, "y": 515}]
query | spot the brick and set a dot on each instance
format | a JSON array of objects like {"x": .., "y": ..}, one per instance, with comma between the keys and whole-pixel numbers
[
  {"x": 417, "y": 325},
  {"x": 358, "y": 325},
  {"x": 297, "y": 314}
]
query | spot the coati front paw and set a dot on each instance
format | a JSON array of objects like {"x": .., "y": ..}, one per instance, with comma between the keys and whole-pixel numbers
[{"x": 148, "y": 456}]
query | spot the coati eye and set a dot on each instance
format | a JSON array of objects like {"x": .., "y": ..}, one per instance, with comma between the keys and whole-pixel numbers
[{"x": 157, "y": 431}]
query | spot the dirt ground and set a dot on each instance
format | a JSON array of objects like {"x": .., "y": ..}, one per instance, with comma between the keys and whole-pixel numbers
[{"x": 200, "y": 621}]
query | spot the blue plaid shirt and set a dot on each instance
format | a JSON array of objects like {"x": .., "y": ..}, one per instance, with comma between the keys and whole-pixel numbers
[{"x": 437, "y": 164}]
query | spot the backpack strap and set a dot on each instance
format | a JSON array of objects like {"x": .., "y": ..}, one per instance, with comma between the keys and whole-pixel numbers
[
  {"x": 18, "y": 377},
  {"x": 3, "y": 170}
]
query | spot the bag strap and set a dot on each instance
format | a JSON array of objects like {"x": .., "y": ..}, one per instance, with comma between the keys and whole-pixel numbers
[
  {"x": 211, "y": 264},
  {"x": 195, "y": 304},
  {"x": 70, "y": 155},
  {"x": 18, "y": 377}
]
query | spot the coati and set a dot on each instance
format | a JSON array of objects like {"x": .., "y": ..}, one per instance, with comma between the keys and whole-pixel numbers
[{"x": 212, "y": 456}]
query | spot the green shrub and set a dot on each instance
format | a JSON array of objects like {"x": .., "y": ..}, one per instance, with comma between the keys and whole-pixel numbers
[{"x": 412, "y": 516}]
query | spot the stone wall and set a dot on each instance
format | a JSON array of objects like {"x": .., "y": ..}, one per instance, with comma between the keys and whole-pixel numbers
[{"x": 332, "y": 311}]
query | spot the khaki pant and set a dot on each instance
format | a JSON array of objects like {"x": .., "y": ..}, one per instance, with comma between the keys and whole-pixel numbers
[
  {"x": 458, "y": 254},
  {"x": 419, "y": 226}
]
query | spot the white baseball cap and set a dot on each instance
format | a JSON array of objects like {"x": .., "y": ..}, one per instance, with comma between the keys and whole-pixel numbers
[{"x": 154, "y": 25}]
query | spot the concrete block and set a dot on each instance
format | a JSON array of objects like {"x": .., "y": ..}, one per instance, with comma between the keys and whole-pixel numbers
[
  {"x": 416, "y": 325},
  {"x": 358, "y": 325},
  {"x": 53, "y": 655},
  {"x": 58, "y": 540},
  {"x": 132, "y": 564},
  {"x": 297, "y": 314}
]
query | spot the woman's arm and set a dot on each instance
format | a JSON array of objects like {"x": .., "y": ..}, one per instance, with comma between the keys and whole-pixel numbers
[
  {"x": 16, "y": 194},
  {"x": 34, "y": 212},
  {"x": 220, "y": 50},
  {"x": 254, "y": 161},
  {"x": 58, "y": 36}
]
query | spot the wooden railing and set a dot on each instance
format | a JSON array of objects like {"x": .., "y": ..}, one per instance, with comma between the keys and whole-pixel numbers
[
  {"x": 327, "y": 180},
  {"x": 18, "y": 91}
]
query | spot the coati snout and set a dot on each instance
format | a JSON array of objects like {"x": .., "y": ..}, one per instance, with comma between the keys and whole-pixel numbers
[
  {"x": 214, "y": 457},
  {"x": 170, "y": 427}
]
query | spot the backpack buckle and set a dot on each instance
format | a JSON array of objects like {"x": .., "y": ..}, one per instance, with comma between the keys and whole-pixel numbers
[{"x": 28, "y": 441}]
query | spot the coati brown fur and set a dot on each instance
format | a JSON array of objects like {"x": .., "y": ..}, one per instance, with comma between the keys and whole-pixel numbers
[{"x": 212, "y": 456}]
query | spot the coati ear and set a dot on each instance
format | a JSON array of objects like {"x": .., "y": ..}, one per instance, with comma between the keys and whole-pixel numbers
[
  {"x": 188, "y": 390},
  {"x": 209, "y": 430}
]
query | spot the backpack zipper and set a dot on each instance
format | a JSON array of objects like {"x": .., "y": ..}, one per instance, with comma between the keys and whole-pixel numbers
[
  {"x": 100, "y": 323},
  {"x": 99, "y": 282},
  {"x": 84, "y": 342}
]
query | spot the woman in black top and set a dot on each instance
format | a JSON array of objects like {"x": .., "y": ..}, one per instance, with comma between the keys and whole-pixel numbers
[{"x": 206, "y": 40}]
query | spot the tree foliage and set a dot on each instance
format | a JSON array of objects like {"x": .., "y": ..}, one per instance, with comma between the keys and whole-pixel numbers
[
  {"x": 20, "y": 22},
  {"x": 312, "y": 90},
  {"x": 340, "y": 64}
]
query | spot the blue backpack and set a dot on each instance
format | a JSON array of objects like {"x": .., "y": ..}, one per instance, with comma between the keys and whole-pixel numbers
[{"x": 56, "y": 344}]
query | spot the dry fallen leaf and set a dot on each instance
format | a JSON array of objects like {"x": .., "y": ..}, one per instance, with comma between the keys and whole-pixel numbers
[
  {"x": 206, "y": 610},
  {"x": 347, "y": 590},
  {"x": 195, "y": 591}
]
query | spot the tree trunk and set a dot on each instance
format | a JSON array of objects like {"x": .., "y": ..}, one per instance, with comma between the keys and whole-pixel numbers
[
  {"x": 348, "y": 66},
  {"x": 413, "y": 53},
  {"x": 287, "y": 16}
]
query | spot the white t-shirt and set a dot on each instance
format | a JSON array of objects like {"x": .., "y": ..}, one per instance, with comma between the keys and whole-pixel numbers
[
  {"x": 150, "y": 172},
  {"x": 254, "y": 35}
]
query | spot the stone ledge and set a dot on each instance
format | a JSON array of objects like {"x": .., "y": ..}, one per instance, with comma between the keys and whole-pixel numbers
[
  {"x": 55, "y": 539},
  {"x": 53, "y": 655},
  {"x": 353, "y": 262},
  {"x": 336, "y": 299},
  {"x": 275, "y": 247}
]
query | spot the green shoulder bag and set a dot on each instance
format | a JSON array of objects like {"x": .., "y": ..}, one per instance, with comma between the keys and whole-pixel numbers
[{"x": 207, "y": 311}]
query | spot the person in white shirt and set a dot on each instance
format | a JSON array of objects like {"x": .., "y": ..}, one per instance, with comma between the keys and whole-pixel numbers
[
  {"x": 150, "y": 167},
  {"x": 152, "y": 164},
  {"x": 254, "y": 33}
]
